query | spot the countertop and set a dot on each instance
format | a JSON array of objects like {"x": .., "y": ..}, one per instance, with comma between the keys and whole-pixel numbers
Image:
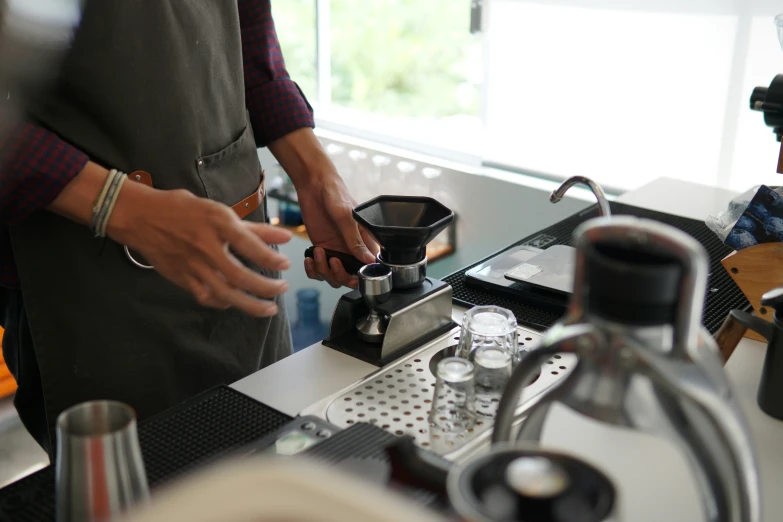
[{"x": 653, "y": 479}]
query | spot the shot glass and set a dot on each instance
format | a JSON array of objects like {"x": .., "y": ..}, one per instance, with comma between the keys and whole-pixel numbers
[
  {"x": 454, "y": 402},
  {"x": 493, "y": 370},
  {"x": 485, "y": 326}
]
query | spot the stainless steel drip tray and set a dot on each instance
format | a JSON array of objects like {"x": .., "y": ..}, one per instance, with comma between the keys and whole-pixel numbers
[{"x": 398, "y": 397}]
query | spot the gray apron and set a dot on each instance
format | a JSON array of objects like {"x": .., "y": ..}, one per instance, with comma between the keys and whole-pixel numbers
[{"x": 153, "y": 85}]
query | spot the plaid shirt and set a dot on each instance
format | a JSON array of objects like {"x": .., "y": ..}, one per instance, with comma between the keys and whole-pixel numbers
[{"x": 39, "y": 164}]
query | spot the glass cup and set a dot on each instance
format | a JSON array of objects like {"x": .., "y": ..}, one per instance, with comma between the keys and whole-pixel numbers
[
  {"x": 493, "y": 370},
  {"x": 485, "y": 326},
  {"x": 454, "y": 402}
]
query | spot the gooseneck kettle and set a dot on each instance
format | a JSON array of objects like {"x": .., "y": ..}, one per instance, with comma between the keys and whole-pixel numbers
[
  {"x": 645, "y": 361},
  {"x": 770, "y": 393}
]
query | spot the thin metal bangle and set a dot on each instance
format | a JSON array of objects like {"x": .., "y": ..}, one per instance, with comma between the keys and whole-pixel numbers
[
  {"x": 135, "y": 261},
  {"x": 103, "y": 215},
  {"x": 111, "y": 204},
  {"x": 98, "y": 205}
]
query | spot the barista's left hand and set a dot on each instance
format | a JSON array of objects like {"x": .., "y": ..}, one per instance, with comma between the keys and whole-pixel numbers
[
  {"x": 326, "y": 207},
  {"x": 326, "y": 211}
]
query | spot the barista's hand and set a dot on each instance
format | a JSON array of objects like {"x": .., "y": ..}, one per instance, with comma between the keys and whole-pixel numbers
[
  {"x": 190, "y": 240},
  {"x": 327, "y": 214}
]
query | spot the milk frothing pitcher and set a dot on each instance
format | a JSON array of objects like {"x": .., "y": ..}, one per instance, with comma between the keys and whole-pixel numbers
[{"x": 99, "y": 467}]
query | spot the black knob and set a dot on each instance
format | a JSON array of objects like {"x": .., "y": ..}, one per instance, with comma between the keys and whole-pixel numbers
[
  {"x": 632, "y": 284},
  {"x": 758, "y": 96}
]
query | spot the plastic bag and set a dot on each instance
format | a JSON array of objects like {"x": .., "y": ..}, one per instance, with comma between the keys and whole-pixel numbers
[{"x": 724, "y": 221}]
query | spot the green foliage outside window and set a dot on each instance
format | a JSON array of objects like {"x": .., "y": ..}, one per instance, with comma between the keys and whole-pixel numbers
[
  {"x": 295, "y": 24},
  {"x": 407, "y": 58}
]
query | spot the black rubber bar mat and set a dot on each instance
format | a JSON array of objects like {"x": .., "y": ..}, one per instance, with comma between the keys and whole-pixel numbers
[
  {"x": 723, "y": 294},
  {"x": 361, "y": 449},
  {"x": 197, "y": 431}
]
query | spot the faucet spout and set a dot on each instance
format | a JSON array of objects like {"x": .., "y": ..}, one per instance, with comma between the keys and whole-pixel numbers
[{"x": 603, "y": 203}]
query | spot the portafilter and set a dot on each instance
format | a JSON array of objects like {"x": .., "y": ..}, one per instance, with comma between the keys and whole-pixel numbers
[{"x": 403, "y": 226}]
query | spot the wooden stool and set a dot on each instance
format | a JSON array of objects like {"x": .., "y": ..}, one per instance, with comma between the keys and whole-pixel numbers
[{"x": 756, "y": 270}]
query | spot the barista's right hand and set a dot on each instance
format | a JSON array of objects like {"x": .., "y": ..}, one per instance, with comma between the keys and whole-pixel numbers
[
  {"x": 190, "y": 240},
  {"x": 187, "y": 239}
]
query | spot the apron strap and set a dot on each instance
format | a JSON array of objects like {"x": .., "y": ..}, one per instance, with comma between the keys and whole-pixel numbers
[{"x": 243, "y": 209}]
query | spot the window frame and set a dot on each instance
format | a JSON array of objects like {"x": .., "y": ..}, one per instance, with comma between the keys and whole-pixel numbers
[{"x": 743, "y": 10}]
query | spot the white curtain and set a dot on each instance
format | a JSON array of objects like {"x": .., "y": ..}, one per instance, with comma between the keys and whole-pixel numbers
[{"x": 625, "y": 91}]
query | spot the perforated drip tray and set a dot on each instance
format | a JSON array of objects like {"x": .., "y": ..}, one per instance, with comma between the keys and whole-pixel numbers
[{"x": 398, "y": 397}]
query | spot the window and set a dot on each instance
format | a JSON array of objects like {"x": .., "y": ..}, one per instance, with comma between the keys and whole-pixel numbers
[
  {"x": 295, "y": 21},
  {"x": 622, "y": 91},
  {"x": 626, "y": 91},
  {"x": 409, "y": 67},
  {"x": 409, "y": 71}
]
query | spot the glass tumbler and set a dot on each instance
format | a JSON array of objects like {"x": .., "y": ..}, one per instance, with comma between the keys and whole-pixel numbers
[
  {"x": 454, "y": 403},
  {"x": 493, "y": 370},
  {"x": 485, "y": 326}
]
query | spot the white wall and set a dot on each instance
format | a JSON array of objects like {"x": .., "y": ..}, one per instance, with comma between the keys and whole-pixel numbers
[{"x": 491, "y": 213}]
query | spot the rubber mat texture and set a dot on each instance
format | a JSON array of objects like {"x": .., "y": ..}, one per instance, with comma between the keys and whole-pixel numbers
[
  {"x": 723, "y": 295},
  {"x": 365, "y": 442},
  {"x": 198, "y": 431}
]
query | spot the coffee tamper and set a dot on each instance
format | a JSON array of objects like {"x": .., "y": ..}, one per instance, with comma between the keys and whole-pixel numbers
[{"x": 375, "y": 285}]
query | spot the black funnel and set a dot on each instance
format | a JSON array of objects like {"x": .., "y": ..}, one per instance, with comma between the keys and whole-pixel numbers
[{"x": 403, "y": 225}]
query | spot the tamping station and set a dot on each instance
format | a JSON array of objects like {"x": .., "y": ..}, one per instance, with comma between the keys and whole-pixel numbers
[{"x": 396, "y": 307}]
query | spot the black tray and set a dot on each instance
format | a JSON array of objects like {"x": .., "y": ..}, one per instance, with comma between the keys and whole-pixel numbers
[
  {"x": 723, "y": 295},
  {"x": 192, "y": 434}
]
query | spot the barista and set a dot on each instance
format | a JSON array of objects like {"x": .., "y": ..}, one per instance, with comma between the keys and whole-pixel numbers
[{"x": 186, "y": 92}]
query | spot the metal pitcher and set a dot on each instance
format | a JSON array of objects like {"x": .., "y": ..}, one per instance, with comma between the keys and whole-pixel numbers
[
  {"x": 99, "y": 467},
  {"x": 634, "y": 321}
]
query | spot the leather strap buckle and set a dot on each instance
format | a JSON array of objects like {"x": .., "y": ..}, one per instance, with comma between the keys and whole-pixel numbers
[{"x": 243, "y": 209}]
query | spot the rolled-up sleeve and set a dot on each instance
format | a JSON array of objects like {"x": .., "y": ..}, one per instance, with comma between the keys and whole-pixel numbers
[
  {"x": 36, "y": 166},
  {"x": 276, "y": 104}
]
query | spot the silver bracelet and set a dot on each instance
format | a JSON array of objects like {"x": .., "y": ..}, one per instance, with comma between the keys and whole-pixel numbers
[
  {"x": 96, "y": 209},
  {"x": 110, "y": 202},
  {"x": 99, "y": 224}
]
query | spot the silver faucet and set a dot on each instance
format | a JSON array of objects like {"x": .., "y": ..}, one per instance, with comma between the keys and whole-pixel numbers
[
  {"x": 603, "y": 203},
  {"x": 665, "y": 378}
]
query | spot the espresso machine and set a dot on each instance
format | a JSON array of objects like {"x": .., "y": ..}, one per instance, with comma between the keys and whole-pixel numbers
[{"x": 396, "y": 307}]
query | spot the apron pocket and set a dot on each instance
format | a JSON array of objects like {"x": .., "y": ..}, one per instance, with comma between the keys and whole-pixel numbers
[{"x": 233, "y": 173}]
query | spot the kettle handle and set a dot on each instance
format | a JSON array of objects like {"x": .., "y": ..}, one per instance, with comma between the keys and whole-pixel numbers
[
  {"x": 751, "y": 322},
  {"x": 559, "y": 339}
]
